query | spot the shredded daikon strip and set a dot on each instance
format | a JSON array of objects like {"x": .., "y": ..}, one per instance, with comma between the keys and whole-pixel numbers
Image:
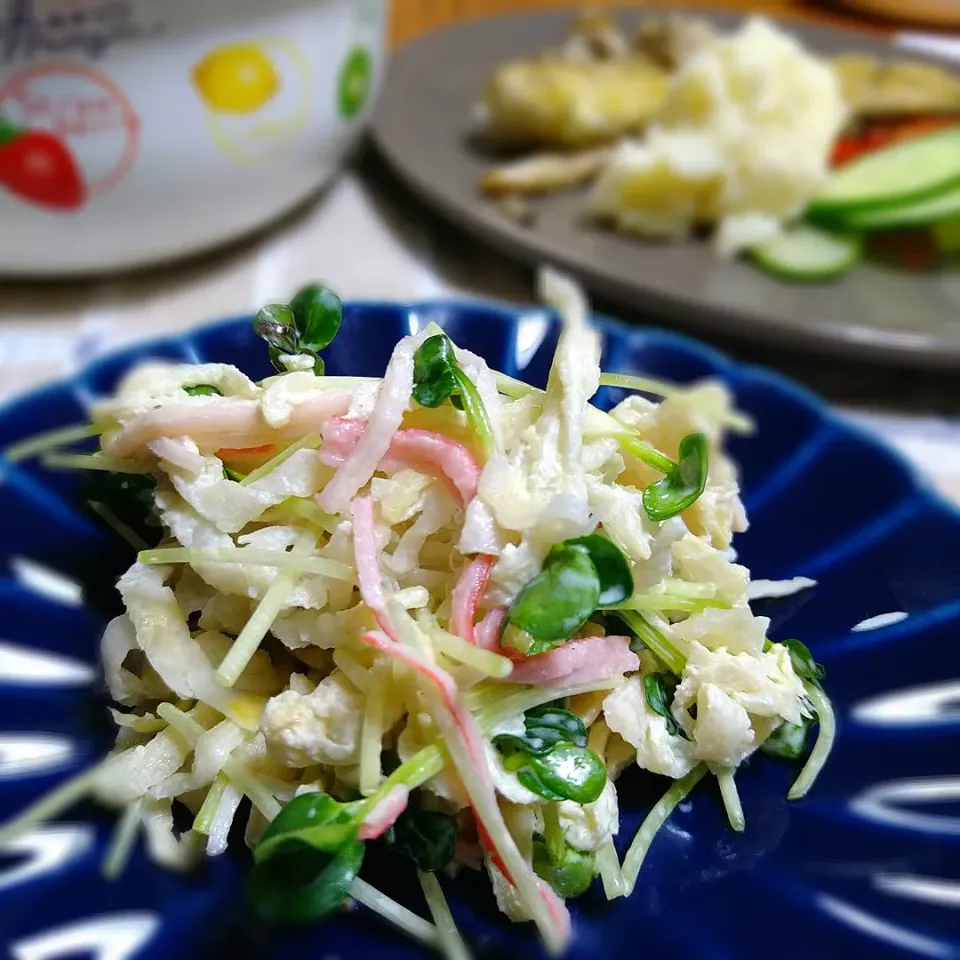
[
  {"x": 684, "y": 588},
  {"x": 492, "y": 710},
  {"x": 50, "y": 440},
  {"x": 451, "y": 943},
  {"x": 407, "y": 630},
  {"x": 204, "y": 818},
  {"x": 185, "y": 725},
  {"x": 146, "y": 723},
  {"x": 53, "y": 803},
  {"x": 512, "y": 387},
  {"x": 655, "y": 819},
  {"x": 293, "y": 561},
  {"x": 669, "y": 603},
  {"x": 659, "y": 388},
  {"x": 309, "y": 442},
  {"x": 352, "y": 668},
  {"x": 260, "y": 796},
  {"x": 484, "y": 661},
  {"x": 93, "y": 461},
  {"x": 383, "y": 423},
  {"x": 610, "y": 874},
  {"x": 371, "y": 737},
  {"x": 403, "y": 919},
  {"x": 301, "y": 509},
  {"x": 463, "y": 743},
  {"x": 124, "y": 837},
  {"x": 413, "y": 598},
  {"x": 223, "y": 821},
  {"x": 250, "y": 638},
  {"x": 821, "y": 749},
  {"x": 412, "y": 773},
  {"x": 731, "y": 799}
]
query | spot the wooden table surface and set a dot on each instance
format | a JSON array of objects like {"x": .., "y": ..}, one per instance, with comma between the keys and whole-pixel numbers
[{"x": 410, "y": 18}]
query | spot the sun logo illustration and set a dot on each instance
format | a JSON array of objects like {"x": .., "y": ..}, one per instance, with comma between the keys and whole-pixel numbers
[{"x": 257, "y": 96}]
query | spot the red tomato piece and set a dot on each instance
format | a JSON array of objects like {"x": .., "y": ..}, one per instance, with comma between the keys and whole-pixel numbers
[
  {"x": 850, "y": 146},
  {"x": 910, "y": 249}
]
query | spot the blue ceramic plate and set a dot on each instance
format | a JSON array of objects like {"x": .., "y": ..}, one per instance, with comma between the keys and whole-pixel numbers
[{"x": 867, "y": 866}]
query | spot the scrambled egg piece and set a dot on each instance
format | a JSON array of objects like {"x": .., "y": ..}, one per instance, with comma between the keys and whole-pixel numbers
[
  {"x": 742, "y": 142},
  {"x": 588, "y": 826},
  {"x": 734, "y": 693},
  {"x": 627, "y": 713},
  {"x": 321, "y": 727},
  {"x": 697, "y": 561}
]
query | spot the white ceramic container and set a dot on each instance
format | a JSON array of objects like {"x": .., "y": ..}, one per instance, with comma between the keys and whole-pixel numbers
[{"x": 138, "y": 131}]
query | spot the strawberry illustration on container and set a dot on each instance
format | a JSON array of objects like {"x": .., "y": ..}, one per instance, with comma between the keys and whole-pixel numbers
[
  {"x": 38, "y": 167},
  {"x": 68, "y": 136}
]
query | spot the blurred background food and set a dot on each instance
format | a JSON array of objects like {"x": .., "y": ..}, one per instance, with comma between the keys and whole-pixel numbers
[
  {"x": 688, "y": 127},
  {"x": 364, "y": 233},
  {"x": 936, "y": 13}
]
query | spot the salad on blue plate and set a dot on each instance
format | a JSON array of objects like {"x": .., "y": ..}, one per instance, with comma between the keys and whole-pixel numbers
[{"x": 440, "y": 611}]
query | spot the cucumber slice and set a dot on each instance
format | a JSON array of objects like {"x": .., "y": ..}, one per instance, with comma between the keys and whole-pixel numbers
[
  {"x": 909, "y": 170},
  {"x": 807, "y": 254},
  {"x": 918, "y": 213}
]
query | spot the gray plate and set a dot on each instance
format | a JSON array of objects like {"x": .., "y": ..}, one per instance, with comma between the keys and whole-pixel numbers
[{"x": 422, "y": 128}]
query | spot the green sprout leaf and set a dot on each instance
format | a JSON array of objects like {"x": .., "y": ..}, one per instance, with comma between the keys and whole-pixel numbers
[
  {"x": 274, "y": 325},
  {"x": 434, "y": 371},
  {"x": 314, "y": 819},
  {"x": 203, "y": 390},
  {"x": 427, "y": 837},
  {"x": 681, "y": 487},
  {"x": 559, "y": 600},
  {"x": 317, "y": 314},
  {"x": 613, "y": 571},
  {"x": 551, "y": 759},
  {"x": 660, "y": 689},
  {"x": 306, "y": 860},
  {"x": 552, "y": 725},
  {"x": 545, "y": 728},
  {"x": 306, "y": 325},
  {"x": 789, "y": 740},
  {"x": 570, "y": 875},
  {"x": 304, "y": 885},
  {"x": 567, "y": 772},
  {"x": 437, "y": 377},
  {"x": 578, "y": 576},
  {"x": 804, "y": 665}
]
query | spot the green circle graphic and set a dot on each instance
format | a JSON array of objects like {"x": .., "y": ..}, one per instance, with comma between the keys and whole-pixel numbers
[{"x": 353, "y": 87}]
